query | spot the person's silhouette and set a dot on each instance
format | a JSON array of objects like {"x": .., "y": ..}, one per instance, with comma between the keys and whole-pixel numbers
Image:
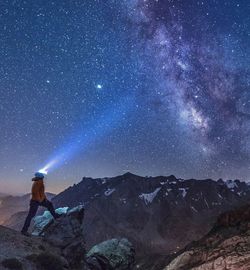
[{"x": 38, "y": 199}]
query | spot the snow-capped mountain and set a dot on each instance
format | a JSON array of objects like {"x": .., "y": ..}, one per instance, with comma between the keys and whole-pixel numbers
[{"x": 158, "y": 214}]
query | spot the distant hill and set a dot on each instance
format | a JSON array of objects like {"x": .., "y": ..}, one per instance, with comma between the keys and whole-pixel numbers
[
  {"x": 2, "y": 195},
  {"x": 159, "y": 215},
  {"x": 10, "y": 205}
]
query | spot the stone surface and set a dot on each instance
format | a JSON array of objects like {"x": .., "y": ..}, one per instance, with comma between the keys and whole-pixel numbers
[
  {"x": 116, "y": 254},
  {"x": 226, "y": 247},
  {"x": 60, "y": 242},
  {"x": 66, "y": 233},
  {"x": 41, "y": 222},
  {"x": 22, "y": 249},
  {"x": 61, "y": 246}
]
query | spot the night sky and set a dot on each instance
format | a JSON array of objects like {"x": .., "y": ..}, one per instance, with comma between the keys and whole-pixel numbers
[{"x": 98, "y": 88}]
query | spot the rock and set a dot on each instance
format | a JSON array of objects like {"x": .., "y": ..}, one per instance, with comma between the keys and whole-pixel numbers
[
  {"x": 225, "y": 247},
  {"x": 234, "y": 217},
  {"x": 66, "y": 233},
  {"x": 61, "y": 246},
  {"x": 21, "y": 252},
  {"x": 112, "y": 254},
  {"x": 41, "y": 222}
]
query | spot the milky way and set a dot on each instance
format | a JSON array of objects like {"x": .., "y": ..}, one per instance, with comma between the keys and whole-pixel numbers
[{"x": 210, "y": 95}]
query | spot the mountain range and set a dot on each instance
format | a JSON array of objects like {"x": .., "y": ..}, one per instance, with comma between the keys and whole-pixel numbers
[{"x": 159, "y": 215}]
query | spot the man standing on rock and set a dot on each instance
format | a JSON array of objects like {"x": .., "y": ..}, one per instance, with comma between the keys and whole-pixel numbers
[{"x": 38, "y": 199}]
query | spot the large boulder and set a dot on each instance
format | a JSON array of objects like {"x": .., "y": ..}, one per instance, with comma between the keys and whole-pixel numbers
[
  {"x": 116, "y": 254},
  {"x": 43, "y": 221},
  {"x": 65, "y": 233}
]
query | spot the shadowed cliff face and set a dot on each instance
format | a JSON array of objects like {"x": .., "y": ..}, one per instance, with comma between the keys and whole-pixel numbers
[{"x": 225, "y": 247}]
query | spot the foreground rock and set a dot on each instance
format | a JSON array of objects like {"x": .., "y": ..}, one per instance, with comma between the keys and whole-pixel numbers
[
  {"x": 21, "y": 252},
  {"x": 59, "y": 245},
  {"x": 112, "y": 254},
  {"x": 226, "y": 247}
]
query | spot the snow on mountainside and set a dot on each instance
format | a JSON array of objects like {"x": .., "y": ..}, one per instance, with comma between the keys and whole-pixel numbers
[
  {"x": 148, "y": 197},
  {"x": 156, "y": 213}
]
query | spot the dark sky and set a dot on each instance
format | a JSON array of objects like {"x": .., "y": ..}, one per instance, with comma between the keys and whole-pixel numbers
[{"x": 97, "y": 88}]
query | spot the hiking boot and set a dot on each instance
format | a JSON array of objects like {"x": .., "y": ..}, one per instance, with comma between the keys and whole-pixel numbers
[{"x": 25, "y": 233}]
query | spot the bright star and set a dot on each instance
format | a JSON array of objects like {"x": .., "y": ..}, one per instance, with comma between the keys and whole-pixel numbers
[{"x": 99, "y": 86}]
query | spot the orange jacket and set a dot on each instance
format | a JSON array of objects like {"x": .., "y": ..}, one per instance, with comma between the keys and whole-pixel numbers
[{"x": 38, "y": 191}]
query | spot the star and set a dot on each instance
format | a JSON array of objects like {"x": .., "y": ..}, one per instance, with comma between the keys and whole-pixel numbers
[{"x": 99, "y": 86}]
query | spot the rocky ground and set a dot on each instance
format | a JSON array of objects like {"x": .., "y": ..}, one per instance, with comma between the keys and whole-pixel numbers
[
  {"x": 59, "y": 245},
  {"x": 19, "y": 252},
  {"x": 225, "y": 247}
]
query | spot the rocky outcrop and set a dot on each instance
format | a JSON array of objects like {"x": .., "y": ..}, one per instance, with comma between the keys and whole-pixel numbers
[
  {"x": 234, "y": 217},
  {"x": 226, "y": 247},
  {"x": 26, "y": 253},
  {"x": 59, "y": 245},
  {"x": 64, "y": 233},
  {"x": 112, "y": 254},
  {"x": 45, "y": 220}
]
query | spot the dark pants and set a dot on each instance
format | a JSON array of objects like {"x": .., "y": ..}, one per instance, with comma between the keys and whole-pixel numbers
[{"x": 33, "y": 209}]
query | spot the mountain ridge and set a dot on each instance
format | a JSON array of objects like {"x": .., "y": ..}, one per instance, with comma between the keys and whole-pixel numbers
[{"x": 151, "y": 211}]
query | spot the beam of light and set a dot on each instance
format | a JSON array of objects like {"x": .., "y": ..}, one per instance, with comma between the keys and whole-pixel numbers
[{"x": 82, "y": 138}]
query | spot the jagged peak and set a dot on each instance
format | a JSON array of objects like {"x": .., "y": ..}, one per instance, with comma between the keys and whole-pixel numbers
[
  {"x": 172, "y": 177},
  {"x": 129, "y": 174}
]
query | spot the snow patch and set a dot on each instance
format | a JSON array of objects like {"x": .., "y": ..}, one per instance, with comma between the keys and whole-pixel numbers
[
  {"x": 109, "y": 191},
  {"x": 194, "y": 209},
  {"x": 220, "y": 195},
  {"x": 206, "y": 203},
  {"x": 168, "y": 191},
  {"x": 123, "y": 200},
  {"x": 184, "y": 191},
  {"x": 231, "y": 184},
  {"x": 149, "y": 197}
]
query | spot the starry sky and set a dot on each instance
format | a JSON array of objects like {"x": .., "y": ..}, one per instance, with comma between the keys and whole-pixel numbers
[{"x": 98, "y": 88}]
